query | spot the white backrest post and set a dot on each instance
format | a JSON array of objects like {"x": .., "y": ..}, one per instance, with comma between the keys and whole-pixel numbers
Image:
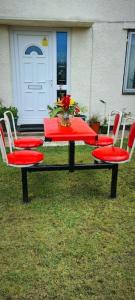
[
  {"x": 6, "y": 114},
  {"x": 123, "y": 130},
  {"x": 122, "y": 135},
  {"x": 9, "y": 133},
  {"x": 2, "y": 147},
  {"x": 3, "y": 150},
  {"x": 113, "y": 113},
  {"x": 13, "y": 122},
  {"x": 132, "y": 150},
  {"x": 8, "y": 128},
  {"x": 109, "y": 123},
  {"x": 118, "y": 126}
]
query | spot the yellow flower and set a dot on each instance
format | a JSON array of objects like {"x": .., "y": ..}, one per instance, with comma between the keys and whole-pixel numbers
[{"x": 72, "y": 101}]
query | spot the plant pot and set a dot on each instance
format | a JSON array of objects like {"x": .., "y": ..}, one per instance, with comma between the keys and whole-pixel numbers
[
  {"x": 95, "y": 126},
  {"x": 104, "y": 129}
]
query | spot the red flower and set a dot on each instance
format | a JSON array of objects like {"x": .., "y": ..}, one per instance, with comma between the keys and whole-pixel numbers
[
  {"x": 66, "y": 102},
  {"x": 77, "y": 110}
]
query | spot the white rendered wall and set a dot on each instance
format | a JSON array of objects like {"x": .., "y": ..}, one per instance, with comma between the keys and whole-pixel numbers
[
  {"x": 5, "y": 67},
  {"x": 109, "y": 45},
  {"x": 81, "y": 47},
  {"x": 97, "y": 68},
  {"x": 112, "y": 10},
  {"x": 108, "y": 60}
]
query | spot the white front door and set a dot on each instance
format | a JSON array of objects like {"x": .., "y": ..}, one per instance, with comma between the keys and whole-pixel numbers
[{"x": 33, "y": 61}]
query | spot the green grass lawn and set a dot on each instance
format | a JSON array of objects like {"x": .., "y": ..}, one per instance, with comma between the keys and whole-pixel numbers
[{"x": 72, "y": 241}]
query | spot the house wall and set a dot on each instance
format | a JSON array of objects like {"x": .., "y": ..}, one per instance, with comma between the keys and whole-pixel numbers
[
  {"x": 109, "y": 47},
  {"x": 97, "y": 52},
  {"x": 81, "y": 51},
  {"x": 5, "y": 67},
  {"x": 98, "y": 10},
  {"x": 97, "y": 67}
]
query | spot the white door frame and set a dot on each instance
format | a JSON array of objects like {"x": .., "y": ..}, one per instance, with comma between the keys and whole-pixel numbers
[{"x": 14, "y": 53}]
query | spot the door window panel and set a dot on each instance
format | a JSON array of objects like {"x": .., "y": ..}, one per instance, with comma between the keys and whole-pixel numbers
[
  {"x": 61, "y": 38},
  {"x": 61, "y": 93}
]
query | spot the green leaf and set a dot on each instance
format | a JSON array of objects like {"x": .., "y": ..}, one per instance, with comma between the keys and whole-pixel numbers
[
  {"x": 56, "y": 111},
  {"x": 50, "y": 107}
]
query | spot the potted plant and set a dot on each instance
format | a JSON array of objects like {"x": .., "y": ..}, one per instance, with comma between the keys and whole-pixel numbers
[
  {"x": 64, "y": 108},
  {"x": 2, "y": 110},
  {"x": 94, "y": 122},
  {"x": 14, "y": 111},
  {"x": 104, "y": 126}
]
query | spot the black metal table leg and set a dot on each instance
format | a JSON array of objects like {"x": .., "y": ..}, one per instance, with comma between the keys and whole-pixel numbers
[
  {"x": 71, "y": 155},
  {"x": 114, "y": 181},
  {"x": 24, "y": 185}
]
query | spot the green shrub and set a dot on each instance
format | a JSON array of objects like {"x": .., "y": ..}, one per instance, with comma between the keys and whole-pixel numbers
[{"x": 13, "y": 109}]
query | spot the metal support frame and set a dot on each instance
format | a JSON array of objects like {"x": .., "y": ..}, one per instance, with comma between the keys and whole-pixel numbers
[
  {"x": 71, "y": 155},
  {"x": 24, "y": 185},
  {"x": 114, "y": 180},
  {"x": 71, "y": 166},
  {"x": 42, "y": 168}
]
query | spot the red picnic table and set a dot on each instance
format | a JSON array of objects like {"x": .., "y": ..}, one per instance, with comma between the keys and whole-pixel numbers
[{"x": 77, "y": 131}]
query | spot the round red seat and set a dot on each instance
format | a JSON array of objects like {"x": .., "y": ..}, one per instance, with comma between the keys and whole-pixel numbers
[
  {"x": 111, "y": 154},
  {"x": 25, "y": 157},
  {"x": 28, "y": 142},
  {"x": 101, "y": 142}
]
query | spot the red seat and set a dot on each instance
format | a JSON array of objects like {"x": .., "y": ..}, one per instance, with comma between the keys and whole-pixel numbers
[
  {"x": 22, "y": 142},
  {"x": 101, "y": 142},
  {"x": 22, "y": 158},
  {"x": 111, "y": 154},
  {"x": 28, "y": 142},
  {"x": 115, "y": 154},
  {"x": 25, "y": 157},
  {"x": 106, "y": 140}
]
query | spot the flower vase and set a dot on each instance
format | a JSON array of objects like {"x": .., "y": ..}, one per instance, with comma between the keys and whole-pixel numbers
[{"x": 65, "y": 120}]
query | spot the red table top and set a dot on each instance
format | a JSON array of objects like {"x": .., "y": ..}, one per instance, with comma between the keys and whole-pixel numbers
[{"x": 78, "y": 131}]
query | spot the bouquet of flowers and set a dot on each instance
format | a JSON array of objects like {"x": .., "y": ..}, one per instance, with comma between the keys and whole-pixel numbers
[{"x": 65, "y": 106}]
